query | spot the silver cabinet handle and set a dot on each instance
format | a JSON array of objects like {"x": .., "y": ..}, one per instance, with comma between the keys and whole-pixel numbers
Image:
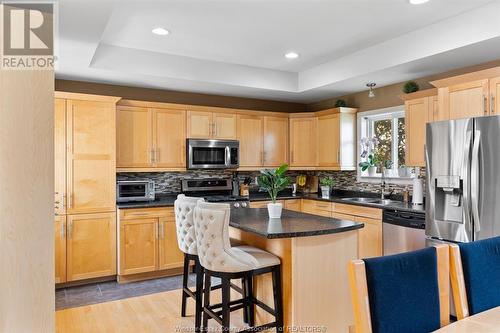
[
  {"x": 474, "y": 186},
  {"x": 492, "y": 106},
  {"x": 338, "y": 156},
  {"x": 151, "y": 159},
  {"x": 63, "y": 231},
  {"x": 162, "y": 229},
  {"x": 64, "y": 200},
  {"x": 156, "y": 233},
  {"x": 70, "y": 229},
  {"x": 157, "y": 154},
  {"x": 485, "y": 102},
  {"x": 70, "y": 201},
  {"x": 215, "y": 128}
]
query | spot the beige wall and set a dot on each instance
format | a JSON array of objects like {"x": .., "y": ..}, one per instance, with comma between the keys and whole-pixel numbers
[
  {"x": 26, "y": 201},
  {"x": 389, "y": 95}
]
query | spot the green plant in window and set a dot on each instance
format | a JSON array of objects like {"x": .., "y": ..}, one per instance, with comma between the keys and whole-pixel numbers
[{"x": 371, "y": 162}]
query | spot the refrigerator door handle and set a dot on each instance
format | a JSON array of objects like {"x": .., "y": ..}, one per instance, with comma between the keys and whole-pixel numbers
[
  {"x": 466, "y": 181},
  {"x": 475, "y": 181}
]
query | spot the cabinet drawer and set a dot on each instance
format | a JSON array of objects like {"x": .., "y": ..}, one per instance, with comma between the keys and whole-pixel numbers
[
  {"x": 341, "y": 216},
  {"x": 321, "y": 208},
  {"x": 147, "y": 212},
  {"x": 263, "y": 204},
  {"x": 293, "y": 204},
  {"x": 374, "y": 213}
]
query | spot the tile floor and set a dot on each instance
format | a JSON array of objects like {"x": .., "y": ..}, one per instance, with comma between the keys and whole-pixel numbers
[{"x": 110, "y": 291}]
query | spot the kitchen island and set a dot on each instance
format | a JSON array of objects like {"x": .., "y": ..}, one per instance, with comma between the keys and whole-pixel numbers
[{"x": 314, "y": 253}]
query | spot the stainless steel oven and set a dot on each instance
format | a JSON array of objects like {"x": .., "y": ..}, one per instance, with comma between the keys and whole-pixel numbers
[
  {"x": 212, "y": 154},
  {"x": 135, "y": 190}
]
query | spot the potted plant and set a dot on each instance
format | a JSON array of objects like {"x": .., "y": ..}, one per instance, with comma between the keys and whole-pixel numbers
[
  {"x": 403, "y": 171},
  {"x": 388, "y": 168},
  {"x": 274, "y": 181},
  {"x": 370, "y": 165},
  {"x": 326, "y": 186},
  {"x": 410, "y": 87}
]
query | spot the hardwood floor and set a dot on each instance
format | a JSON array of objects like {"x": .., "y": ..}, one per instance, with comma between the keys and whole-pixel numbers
[{"x": 146, "y": 314}]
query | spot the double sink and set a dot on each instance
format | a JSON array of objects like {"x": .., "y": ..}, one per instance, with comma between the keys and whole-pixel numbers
[{"x": 371, "y": 200}]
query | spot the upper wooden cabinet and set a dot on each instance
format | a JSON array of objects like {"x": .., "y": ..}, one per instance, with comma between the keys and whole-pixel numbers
[
  {"x": 90, "y": 177},
  {"x": 337, "y": 139},
  {"x": 468, "y": 95},
  {"x": 60, "y": 156},
  {"x": 250, "y": 130},
  {"x": 303, "y": 140},
  {"x": 275, "y": 141},
  {"x": 420, "y": 109},
  {"x": 211, "y": 125},
  {"x": 150, "y": 138},
  {"x": 91, "y": 246},
  {"x": 495, "y": 96}
]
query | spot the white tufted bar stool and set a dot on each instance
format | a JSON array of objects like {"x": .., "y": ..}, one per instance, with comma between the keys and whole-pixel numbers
[
  {"x": 221, "y": 260},
  {"x": 186, "y": 239}
]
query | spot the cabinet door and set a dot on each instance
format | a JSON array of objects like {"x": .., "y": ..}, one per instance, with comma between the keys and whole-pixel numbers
[
  {"x": 199, "y": 124},
  {"x": 416, "y": 115},
  {"x": 170, "y": 255},
  {"x": 294, "y": 204},
  {"x": 91, "y": 159},
  {"x": 329, "y": 140},
  {"x": 433, "y": 110},
  {"x": 224, "y": 126},
  {"x": 275, "y": 141},
  {"x": 495, "y": 96},
  {"x": 60, "y": 248},
  {"x": 169, "y": 138},
  {"x": 138, "y": 245},
  {"x": 468, "y": 99},
  {"x": 303, "y": 142},
  {"x": 91, "y": 246},
  {"x": 250, "y": 134},
  {"x": 133, "y": 137},
  {"x": 369, "y": 238},
  {"x": 60, "y": 156}
]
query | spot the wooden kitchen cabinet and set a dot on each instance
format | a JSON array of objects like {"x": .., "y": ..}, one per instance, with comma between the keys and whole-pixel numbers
[
  {"x": 138, "y": 245},
  {"x": 91, "y": 158},
  {"x": 133, "y": 137},
  {"x": 91, "y": 246},
  {"x": 336, "y": 139},
  {"x": 147, "y": 241},
  {"x": 495, "y": 96},
  {"x": 60, "y": 156},
  {"x": 293, "y": 204},
  {"x": 420, "y": 108},
  {"x": 263, "y": 204},
  {"x": 369, "y": 238},
  {"x": 211, "y": 125},
  {"x": 316, "y": 207},
  {"x": 250, "y": 133},
  {"x": 303, "y": 141},
  {"x": 60, "y": 248},
  {"x": 169, "y": 138},
  {"x": 275, "y": 141}
]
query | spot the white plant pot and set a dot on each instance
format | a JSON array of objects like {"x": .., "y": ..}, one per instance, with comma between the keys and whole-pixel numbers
[
  {"x": 372, "y": 171},
  {"x": 325, "y": 192},
  {"x": 387, "y": 172},
  {"x": 274, "y": 210},
  {"x": 403, "y": 172}
]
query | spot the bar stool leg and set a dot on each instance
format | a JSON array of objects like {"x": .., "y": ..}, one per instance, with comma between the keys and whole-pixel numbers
[
  {"x": 198, "y": 294},
  {"x": 244, "y": 282},
  {"x": 225, "y": 304},
  {"x": 278, "y": 300},
  {"x": 206, "y": 300},
  {"x": 184, "y": 285},
  {"x": 251, "y": 306}
]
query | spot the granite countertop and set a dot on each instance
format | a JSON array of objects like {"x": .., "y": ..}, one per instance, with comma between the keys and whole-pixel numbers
[
  {"x": 337, "y": 196},
  {"x": 292, "y": 224}
]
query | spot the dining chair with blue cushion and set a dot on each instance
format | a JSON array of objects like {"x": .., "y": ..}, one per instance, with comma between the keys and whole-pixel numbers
[
  {"x": 475, "y": 276},
  {"x": 406, "y": 292}
]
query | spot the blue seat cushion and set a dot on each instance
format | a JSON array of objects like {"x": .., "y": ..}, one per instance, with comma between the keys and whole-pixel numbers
[
  {"x": 403, "y": 292},
  {"x": 481, "y": 266}
]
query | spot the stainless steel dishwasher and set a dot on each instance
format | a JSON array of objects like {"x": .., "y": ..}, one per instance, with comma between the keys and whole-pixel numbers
[{"x": 402, "y": 231}]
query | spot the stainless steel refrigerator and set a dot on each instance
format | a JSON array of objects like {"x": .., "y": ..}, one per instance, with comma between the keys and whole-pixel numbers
[{"x": 463, "y": 180}]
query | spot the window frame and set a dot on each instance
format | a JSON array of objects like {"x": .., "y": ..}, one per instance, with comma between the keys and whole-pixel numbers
[{"x": 365, "y": 129}]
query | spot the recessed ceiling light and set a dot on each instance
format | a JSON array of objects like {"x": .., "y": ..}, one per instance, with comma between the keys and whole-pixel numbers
[
  {"x": 160, "y": 31},
  {"x": 418, "y": 2},
  {"x": 291, "y": 55}
]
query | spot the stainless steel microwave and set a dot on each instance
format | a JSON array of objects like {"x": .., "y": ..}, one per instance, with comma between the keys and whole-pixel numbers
[
  {"x": 212, "y": 154},
  {"x": 135, "y": 190}
]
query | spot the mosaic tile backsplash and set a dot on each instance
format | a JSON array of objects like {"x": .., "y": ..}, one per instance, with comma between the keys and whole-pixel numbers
[{"x": 170, "y": 182}]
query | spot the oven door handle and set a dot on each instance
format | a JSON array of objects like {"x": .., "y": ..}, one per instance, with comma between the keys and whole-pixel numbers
[{"x": 227, "y": 152}]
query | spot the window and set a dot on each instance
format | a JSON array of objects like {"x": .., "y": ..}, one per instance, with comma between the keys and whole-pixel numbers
[{"x": 385, "y": 130}]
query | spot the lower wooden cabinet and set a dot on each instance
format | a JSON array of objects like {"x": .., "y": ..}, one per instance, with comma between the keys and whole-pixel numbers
[
  {"x": 294, "y": 204},
  {"x": 91, "y": 246},
  {"x": 321, "y": 208},
  {"x": 263, "y": 204},
  {"x": 60, "y": 248},
  {"x": 369, "y": 238},
  {"x": 147, "y": 241}
]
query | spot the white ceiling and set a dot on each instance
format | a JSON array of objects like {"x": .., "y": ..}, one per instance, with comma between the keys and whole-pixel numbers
[{"x": 236, "y": 47}]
